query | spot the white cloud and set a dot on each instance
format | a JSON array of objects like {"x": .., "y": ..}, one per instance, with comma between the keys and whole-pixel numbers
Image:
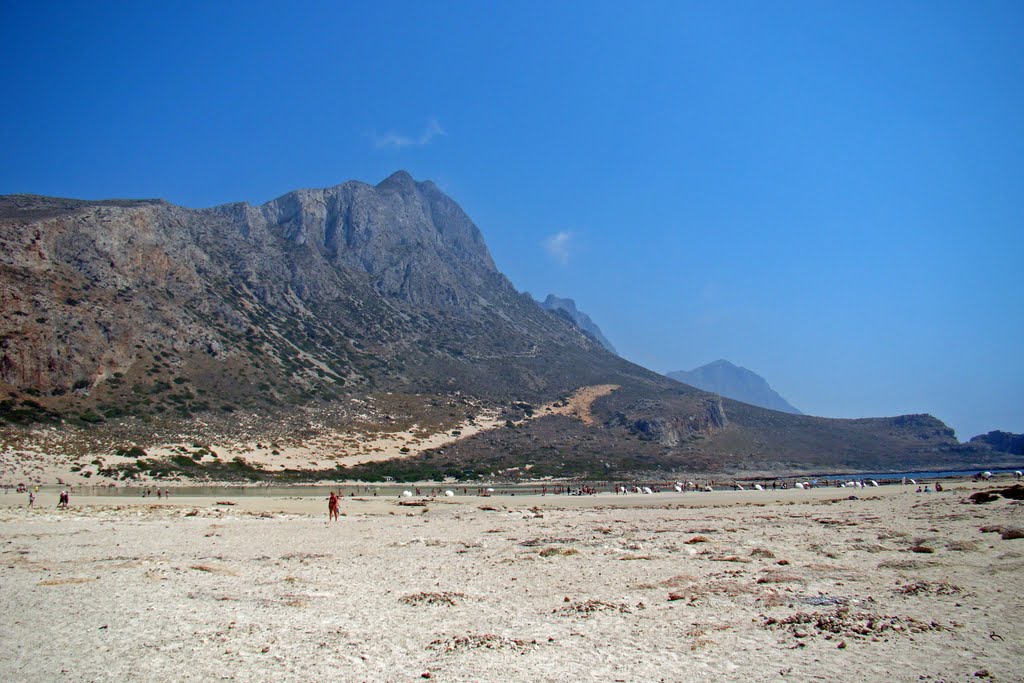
[
  {"x": 557, "y": 246},
  {"x": 393, "y": 140}
]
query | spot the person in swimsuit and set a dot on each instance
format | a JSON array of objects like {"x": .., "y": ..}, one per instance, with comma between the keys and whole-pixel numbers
[{"x": 332, "y": 507}]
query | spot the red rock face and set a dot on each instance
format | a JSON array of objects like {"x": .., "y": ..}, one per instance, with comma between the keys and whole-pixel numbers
[{"x": 347, "y": 285}]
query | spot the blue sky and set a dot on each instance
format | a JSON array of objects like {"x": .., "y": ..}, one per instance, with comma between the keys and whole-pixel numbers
[{"x": 829, "y": 194}]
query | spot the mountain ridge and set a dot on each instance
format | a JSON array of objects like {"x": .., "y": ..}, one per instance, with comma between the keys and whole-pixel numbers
[
  {"x": 358, "y": 309},
  {"x": 581, "y": 319}
]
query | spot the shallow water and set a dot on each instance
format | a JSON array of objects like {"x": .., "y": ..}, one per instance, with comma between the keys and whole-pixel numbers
[{"x": 393, "y": 490}]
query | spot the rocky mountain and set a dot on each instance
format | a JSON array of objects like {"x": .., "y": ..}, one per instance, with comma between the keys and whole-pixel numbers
[
  {"x": 722, "y": 377},
  {"x": 581, "y": 319},
  {"x": 1005, "y": 442},
  {"x": 356, "y": 331}
]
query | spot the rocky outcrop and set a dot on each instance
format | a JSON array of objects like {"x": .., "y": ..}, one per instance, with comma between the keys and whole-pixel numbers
[
  {"x": 672, "y": 428},
  {"x": 1004, "y": 442}
]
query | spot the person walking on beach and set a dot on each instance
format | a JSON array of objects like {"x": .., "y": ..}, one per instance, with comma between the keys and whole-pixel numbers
[
  {"x": 332, "y": 508},
  {"x": 31, "y": 499}
]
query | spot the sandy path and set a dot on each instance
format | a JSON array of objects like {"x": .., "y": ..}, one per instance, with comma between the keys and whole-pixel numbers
[
  {"x": 578, "y": 405},
  {"x": 736, "y": 588}
]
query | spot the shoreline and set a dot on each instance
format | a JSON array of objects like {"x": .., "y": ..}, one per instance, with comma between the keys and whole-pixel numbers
[{"x": 307, "y": 500}]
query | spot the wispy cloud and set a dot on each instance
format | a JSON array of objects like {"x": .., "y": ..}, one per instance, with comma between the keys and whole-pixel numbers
[
  {"x": 557, "y": 246},
  {"x": 393, "y": 140}
]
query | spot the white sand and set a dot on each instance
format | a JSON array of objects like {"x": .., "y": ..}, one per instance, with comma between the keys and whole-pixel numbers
[{"x": 600, "y": 588}]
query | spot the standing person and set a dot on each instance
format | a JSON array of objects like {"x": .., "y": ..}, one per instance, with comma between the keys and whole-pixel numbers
[
  {"x": 332, "y": 507},
  {"x": 31, "y": 499}
]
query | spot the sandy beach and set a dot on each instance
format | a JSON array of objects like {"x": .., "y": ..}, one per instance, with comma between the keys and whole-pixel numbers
[{"x": 739, "y": 586}]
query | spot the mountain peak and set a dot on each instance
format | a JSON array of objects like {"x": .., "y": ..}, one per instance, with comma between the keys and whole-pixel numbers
[
  {"x": 735, "y": 382},
  {"x": 399, "y": 180}
]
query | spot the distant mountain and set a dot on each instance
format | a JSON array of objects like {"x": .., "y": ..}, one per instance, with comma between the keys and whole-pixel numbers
[
  {"x": 581, "y": 319},
  {"x": 731, "y": 381}
]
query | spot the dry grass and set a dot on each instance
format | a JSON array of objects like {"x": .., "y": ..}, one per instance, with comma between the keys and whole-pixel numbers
[
  {"x": 848, "y": 624},
  {"x": 446, "y": 598},
  {"x": 589, "y": 607},
  {"x": 485, "y": 641}
]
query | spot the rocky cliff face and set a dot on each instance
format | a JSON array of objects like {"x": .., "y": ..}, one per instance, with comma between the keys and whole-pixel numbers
[
  {"x": 1004, "y": 442},
  {"x": 740, "y": 384},
  {"x": 353, "y": 284},
  {"x": 141, "y": 322},
  {"x": 581, "y": 319},
  {"x": 414, "y": 242}
]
